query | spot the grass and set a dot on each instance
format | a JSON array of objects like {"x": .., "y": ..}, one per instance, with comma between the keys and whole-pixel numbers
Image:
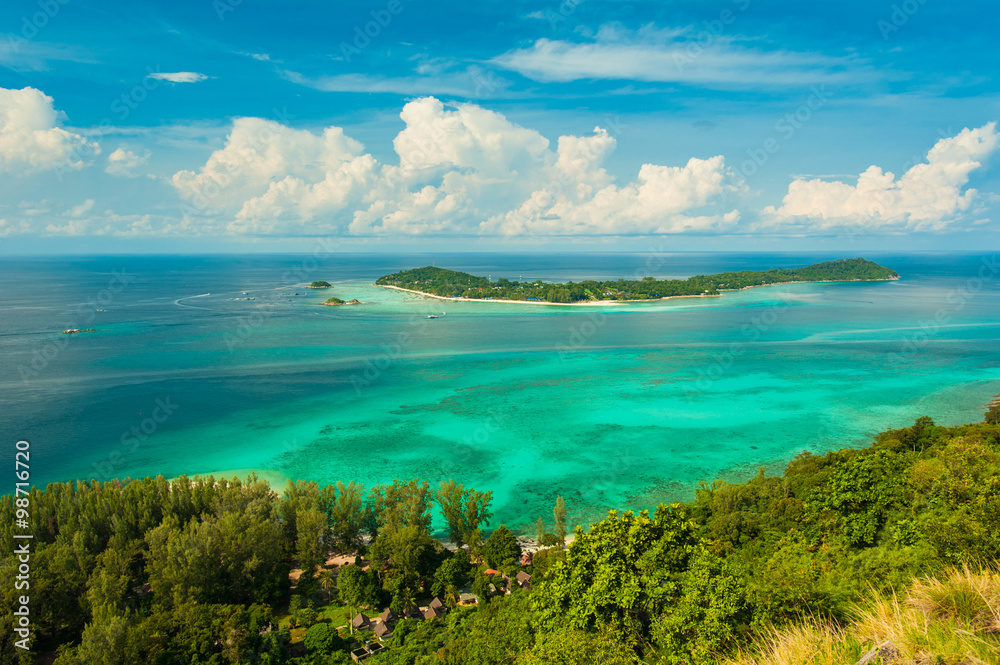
[{"x": 948, "y": 620}]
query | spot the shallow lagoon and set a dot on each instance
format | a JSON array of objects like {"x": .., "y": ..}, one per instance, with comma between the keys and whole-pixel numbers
[{"x": 618, "y": 406}]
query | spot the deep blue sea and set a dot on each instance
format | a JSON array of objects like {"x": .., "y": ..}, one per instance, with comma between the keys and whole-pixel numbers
[{"x": 617, "y": 406}]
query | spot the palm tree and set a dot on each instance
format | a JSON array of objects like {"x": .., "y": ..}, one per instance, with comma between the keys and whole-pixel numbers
[{"x": 327, "y": 582}]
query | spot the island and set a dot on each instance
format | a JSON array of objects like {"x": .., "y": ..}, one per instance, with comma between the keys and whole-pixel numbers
[
  {"x": 453, "y": 285},
  {"x": 321, "y": 284},
  {"x": 334, "y": 301}
]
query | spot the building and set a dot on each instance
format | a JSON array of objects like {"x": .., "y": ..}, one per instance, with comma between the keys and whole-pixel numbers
[
  {"x": 383, "y": 631},
  {"x": 360, "y": 622}
]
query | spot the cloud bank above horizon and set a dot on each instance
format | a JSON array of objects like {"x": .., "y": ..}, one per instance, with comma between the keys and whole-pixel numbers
[{"x": 462, "y": 170}]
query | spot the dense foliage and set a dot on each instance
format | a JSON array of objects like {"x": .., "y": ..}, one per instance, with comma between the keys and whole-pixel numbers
[
  {"x": 449, "y": 283},
  {"x": 192, "y": 572}
]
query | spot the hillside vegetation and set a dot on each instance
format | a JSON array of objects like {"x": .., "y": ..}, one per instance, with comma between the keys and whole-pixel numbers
[
  {"x": 891, "y": 545},
  {"x": 453, "y": 284}
]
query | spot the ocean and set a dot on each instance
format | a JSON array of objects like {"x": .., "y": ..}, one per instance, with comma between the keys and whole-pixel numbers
[{"x": 228, "y": 364}]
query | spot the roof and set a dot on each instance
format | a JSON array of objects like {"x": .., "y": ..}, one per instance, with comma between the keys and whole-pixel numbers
[
  {"x": 360, "y": 620},
  {"x": 490, "y": 571},
  {"x": 433, "y": 612},
  {"x": 387, "y": 615},
  {"x": 523, "y": 577},
  {"x": 437, "y": 602},
  {"x": 382, "y": 630}
]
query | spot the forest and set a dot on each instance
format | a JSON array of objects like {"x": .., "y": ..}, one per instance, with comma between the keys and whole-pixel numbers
[
  {"x": 886, "y": 552},
  {"x": 453, "y": 284}
]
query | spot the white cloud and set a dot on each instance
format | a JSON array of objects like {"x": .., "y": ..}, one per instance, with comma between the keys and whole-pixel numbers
[
  {"x": 461, "y": 169},
  {"x": 179, "y": 77},
  {"x": 465, "y": 83},
  {"x": 260, "y": 155},
  {"x": 82, "y": 209},
  {"x": 928, "y": 197},
  {"x": 675, "y": 56},
  {"x": 123, "y": 162},
  {"x": 263, "y": 57},
  {"x": 31, "y": 141}
]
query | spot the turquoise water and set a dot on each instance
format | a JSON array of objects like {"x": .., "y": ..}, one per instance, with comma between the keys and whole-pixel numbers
[{"x": 615, "y": 406}]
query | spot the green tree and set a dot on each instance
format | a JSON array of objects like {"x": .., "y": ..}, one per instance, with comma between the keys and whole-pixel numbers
[
  {"x": 501, "y": 549},
  {"x": 348, "y": 516},
  {"x": 311, "y": 539},
  {"x": 323, "y": 638},
  {"x": 464, "y": 510},
  {"x": 559, "y": 513},
  {"x": 456, "y": 571},
  {"x": 993, "y": 415},
  {"x": 623, "y": 571}
]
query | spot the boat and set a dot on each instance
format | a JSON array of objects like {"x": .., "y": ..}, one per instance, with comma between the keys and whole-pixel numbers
[{"x": 431, "y": 316}]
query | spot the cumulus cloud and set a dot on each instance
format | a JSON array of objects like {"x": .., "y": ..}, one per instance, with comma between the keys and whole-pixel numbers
[
  {"x": 179, "y": 77},
  {"x": 82, "y": 209},
  {"x": 675, "y": 56},
  {"x": 928, "y": 197},
  {"x": 30, "y": 138},
  {"x": 123, "y": 162},
  {"x": 461, "y": 169}
]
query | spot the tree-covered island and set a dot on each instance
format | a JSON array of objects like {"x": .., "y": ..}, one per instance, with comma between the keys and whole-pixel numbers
[{"x": 446, "y": 283}]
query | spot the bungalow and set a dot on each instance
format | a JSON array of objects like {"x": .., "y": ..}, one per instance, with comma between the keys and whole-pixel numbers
[
  {"x": 433, "y": 613},
  {"x": 524, "y": 580},
  {"x": 438, "y": 603},
  {"x": 383, "y": 631},
  {"x": 388, "y": 616},
  {"x": 360, "y": 622},
  {"x": 413, "y": 613}
]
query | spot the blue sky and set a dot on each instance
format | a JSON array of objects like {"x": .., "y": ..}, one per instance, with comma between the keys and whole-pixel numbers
[{"x": 253, "y": 125}]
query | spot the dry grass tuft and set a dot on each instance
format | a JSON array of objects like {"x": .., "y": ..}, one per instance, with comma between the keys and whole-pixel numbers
[{"x": 949, "y": 620}]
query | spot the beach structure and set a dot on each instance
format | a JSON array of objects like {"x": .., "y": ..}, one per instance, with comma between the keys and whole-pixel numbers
[
  {"x": 433, "y": 613},
  {"x": 383, "y": 631}
]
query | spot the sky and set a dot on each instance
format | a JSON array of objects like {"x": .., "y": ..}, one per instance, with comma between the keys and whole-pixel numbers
[{"x": 582, "y": 125}]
